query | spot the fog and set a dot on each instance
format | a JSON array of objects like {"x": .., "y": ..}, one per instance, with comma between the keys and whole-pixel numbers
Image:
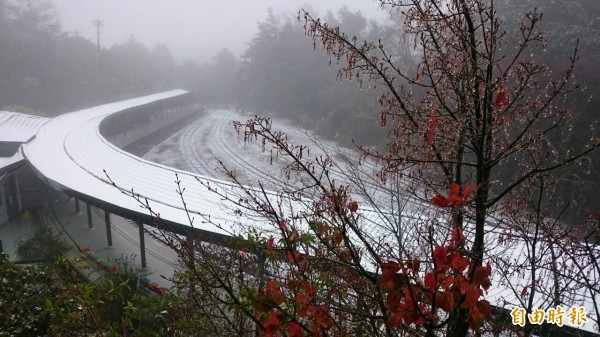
[
  {"x": 50, "y": 64},
  {"x": 190, "y": 28}
]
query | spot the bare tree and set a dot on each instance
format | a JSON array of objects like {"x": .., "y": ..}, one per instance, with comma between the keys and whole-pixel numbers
[{"x": 473, "y": 132}]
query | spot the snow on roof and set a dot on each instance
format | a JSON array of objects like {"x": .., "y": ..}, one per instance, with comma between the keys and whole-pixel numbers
[
  {"x": 19, "y": 127},
  {"x": 70, "y": 152}
]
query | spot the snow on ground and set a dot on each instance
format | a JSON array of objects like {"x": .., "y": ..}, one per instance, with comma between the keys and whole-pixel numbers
[{"x": 198, "y": 147}]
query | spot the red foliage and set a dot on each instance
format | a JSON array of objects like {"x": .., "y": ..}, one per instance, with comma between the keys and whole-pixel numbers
[
  {"x": 455, "y": 198},
  {"x": 430, "y": 281},
  {"x": 315, "y": 318},
  {"x": 448, "y": 287},
  {"x": 353, "y": 206},
  {"x": 293, "y": 257},
  {"x": 501, "y": 99},
  {"x": 431, "y": 128},
  {"x": 439, "y": 256},
  {"x": 272, "y": 324},
  {"x": 388, "y": 270},
  {"x": 294, "y": 330},
  {"x": 457, "y": 238},
  {"x": 270, "y": 243}
]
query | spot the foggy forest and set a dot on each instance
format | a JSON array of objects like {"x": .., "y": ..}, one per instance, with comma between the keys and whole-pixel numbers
[{"x": 389, "y": 91}]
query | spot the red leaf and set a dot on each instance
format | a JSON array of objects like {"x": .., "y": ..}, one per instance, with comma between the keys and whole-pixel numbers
[
  {"x": 272, "y": 287},
  {"x": 501, "y": 99},
  {"x": 482, "y": 276},
  {"x": 444, "y": 280},
  {"x": 439, "y": 200},
  {"x": 431, "y": 128},
  {"x": 459, "y": 262},
  {"x": 261, "y": 303},
  {"x": 270, "y": 243},
  {"x": 439, "y": 256},
  {"x": 475, "y": 319},
  {"x": 272, "y": 323},
  {"x": 294, "y": 330},
  {"x": 293, "y": 257},
  {"x": 467, "y": 191},
  {"x": 390, "y": 267},
  {"x": 454, "y": 201},
  {"x": 430, "y": 281},
  {"x": 414, "y": 265},
  {"x": 395, "y": 319},
  {"x": 454, "y": 190},
  {"x": 353, "y": 206},
  {"x": 388, "y": 270},
  {"x": 446, "y": 301},
  {"x": 463, "y": 285},
  {"x": 322, "y": 316},
  {"x": 471, "y": 297},
  {"x": 301, "y": 298},
  {"x": 457, "y": 237},
  {"x": 245, "y": 250},
  {"x": 278, "y": 298},
  {"x": 484, "y": 307},
  {"x": 454, "y": 198}
]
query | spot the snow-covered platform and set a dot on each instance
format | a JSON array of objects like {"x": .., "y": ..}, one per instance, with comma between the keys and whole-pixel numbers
[
  {"x": 16, "y": 128},
  {"x": 71, "y": 155}
]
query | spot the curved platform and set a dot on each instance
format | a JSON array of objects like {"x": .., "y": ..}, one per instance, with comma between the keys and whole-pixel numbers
[{"x": 71, "y": 155}]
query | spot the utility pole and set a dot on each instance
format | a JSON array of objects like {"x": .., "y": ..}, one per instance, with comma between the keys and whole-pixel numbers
[
  {"x": 2, "y": 15},
  {"x": 99, "y": 25}
]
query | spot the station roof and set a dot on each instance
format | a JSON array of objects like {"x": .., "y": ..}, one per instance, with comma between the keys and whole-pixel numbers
[
  {"x": 70, "y": 154},
  {"x": 19, "y": 127},
  {"x": 16, "y": 128}
]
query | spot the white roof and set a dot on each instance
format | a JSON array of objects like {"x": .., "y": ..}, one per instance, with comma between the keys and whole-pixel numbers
[
  {"x": 19, "y": 127},
  {"x": 69, "y": 151}
]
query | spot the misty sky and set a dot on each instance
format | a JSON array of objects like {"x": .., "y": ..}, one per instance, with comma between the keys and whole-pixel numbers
[{"x": 191, "y": 28}]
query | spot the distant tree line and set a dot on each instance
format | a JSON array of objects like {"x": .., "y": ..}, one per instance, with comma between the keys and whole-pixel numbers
[
  {"x": 281, "y": 73},
  {"x": 46, "y": 70}
]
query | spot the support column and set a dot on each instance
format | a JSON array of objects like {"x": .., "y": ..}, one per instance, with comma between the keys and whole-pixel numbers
[
  {"x": 76, "y": 205},
  {"x": 108, "y": 230},
  {"x": 142, "y": 243},
  {"x": 89, "y": 214},
  {"x": 3, "y": 205},
  {"x": 19, "y": 202},
  {"x": 2, "y": 194}
]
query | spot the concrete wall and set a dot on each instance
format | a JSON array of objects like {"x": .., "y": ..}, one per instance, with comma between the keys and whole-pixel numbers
[{"x": 131, "y": 125}]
